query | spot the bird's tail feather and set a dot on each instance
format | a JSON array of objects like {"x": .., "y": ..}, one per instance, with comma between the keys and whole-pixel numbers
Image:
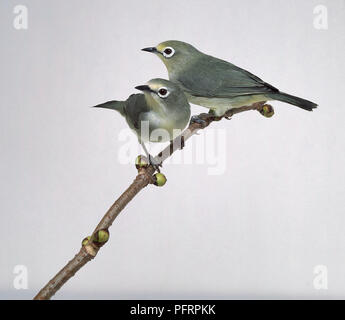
[
  {"x": 113, "y": 105},
  {"x": 296, "y": 101}
]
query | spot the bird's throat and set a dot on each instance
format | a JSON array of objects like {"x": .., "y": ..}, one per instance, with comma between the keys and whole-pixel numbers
[{"x": 154, "y": 105}]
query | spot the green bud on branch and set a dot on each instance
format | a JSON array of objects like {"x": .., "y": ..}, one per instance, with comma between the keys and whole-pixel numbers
[
  {"x": 141, "y": 162},
  {"x": 101, "y": 237},
  {"x": 85, "y": 241},
  {"x": 160, "y": 179},
  {"x": 267, "y": 111}
]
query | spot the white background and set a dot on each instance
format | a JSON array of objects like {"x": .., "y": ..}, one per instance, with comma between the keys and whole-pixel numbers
[{"x": 256, "y": 231}]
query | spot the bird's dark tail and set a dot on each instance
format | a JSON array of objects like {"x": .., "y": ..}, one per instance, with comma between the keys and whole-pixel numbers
[
  {"x": 113, "y": 105},
  {"x": 298, "y": 102}
]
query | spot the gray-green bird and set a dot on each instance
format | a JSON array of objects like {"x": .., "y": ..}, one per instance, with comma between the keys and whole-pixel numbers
[
  {"x": 217, "y": 84},
  {"x": 157, "y": 115}
]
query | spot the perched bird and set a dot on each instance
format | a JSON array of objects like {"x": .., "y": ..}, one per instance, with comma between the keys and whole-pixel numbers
[
  {"x": 217, "y": 84},
  {"x": 157, "y": 115}
]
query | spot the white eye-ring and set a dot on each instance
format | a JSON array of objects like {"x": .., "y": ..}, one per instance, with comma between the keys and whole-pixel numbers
[
  {"x": 163, "y": 92},
  {"x": 168, "y": 52}
]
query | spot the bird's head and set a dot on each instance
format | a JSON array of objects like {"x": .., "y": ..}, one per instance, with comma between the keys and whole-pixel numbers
[
  {"x": 164, "y": 93},
  {"x": 174, "y": 54}
]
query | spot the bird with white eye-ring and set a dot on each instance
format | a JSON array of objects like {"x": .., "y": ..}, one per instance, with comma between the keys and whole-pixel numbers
[
  {"x": 217, "y": 84},
  {"x": 161, "y": 106}
]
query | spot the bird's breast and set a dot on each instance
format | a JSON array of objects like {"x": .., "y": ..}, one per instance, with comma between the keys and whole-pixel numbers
[{"x": 165, "y": 127}]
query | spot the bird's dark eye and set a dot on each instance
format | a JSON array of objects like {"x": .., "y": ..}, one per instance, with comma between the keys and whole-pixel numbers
[
  {"x": 168, "y": 52},
  {"x": 163, "y": 92}
]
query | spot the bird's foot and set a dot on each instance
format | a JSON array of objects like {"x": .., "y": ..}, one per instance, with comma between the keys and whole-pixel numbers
[
  {"x": 197, "y": 119},
  {"x": 213, "y": 116},
  {"x": 204, "y": 118},
  {"x": 155, "y": 164},
  {"x": 228, "y": 114}
]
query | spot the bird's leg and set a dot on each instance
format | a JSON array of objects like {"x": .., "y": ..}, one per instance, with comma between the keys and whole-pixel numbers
[
  {"x": 152, "y": 161},
  {"x": 203, "y": 118}
]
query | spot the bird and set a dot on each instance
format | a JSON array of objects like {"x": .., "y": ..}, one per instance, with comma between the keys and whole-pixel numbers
[
  {"x": 217, "y": 84},
  {"x": 156, "y": 115}
]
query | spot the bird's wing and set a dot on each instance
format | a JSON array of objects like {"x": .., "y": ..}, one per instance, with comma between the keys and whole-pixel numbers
[
  {"x": 135, "y": 109},
  {"x": 215, "y": 78}
]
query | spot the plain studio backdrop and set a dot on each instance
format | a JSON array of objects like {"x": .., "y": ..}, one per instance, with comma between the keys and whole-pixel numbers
[{"x": 271, "y": 225}]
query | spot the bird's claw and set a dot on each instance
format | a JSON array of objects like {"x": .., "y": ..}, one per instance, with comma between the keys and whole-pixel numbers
[
  {"x": 203, "y": 118},
  {"x": 197, "y": 119},
  {"x": 155, "y": 164}
]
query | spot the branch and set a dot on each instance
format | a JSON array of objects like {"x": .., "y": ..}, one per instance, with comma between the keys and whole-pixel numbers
[{"x": 92, "y": 244}]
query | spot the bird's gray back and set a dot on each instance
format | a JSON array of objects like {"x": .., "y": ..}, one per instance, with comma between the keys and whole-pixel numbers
[
  {"x": 136, "y": 106},
  {"x": 208, "y": 76}
]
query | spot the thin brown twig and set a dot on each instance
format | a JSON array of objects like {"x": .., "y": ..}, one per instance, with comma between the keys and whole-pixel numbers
[{"x": 144, "y": 177}]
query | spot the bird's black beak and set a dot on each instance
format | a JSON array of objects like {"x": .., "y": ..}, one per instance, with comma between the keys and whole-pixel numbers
[
  {"x": 143, "y": 88},
  {"x": 150, "y": 49}
]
